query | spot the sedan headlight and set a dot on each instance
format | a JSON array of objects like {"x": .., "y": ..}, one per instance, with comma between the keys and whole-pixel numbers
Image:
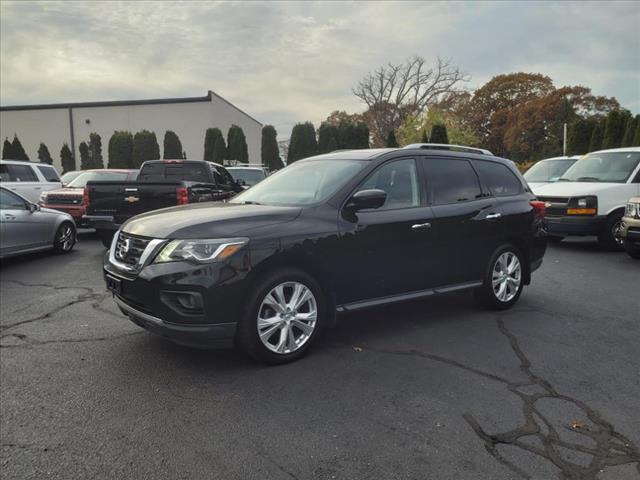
[
  {"x": 200, "y": 251},
  {"x": 632, "y": 210}
]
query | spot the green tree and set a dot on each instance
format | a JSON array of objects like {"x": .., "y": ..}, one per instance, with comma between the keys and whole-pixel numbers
[
  {"x": 172, "y": 147},
  {"x": 270, "y": 153},
  {"x": 327, "y": 137},
  {"x": 425, "y": 138},
  {"x": 614, "y": 128},
  {"x": 7, "y": 150},
  {"x": 595, "y": 143},
  {"x": 84, "y": 156},
  {"x": 145, "y": 147},
  {"x": 439, "y": 133},
  {"x": 579, "y": 136},
  {"x": 215, "y": 150},
  {"x": 66, "y": 159},
  {"x": 120, "y": 150},
  {"x": 302, "y": 143},
  {"x": 43, "y": 154},
  {"x": 629, "y": 131},
  {"x": 391, "y": 140},
  {"x": 237, "y": 145},
  {"x": 95, "y": 151},
  {"x": 17, "y": 150},
  {"x": 636, "y": 137}
]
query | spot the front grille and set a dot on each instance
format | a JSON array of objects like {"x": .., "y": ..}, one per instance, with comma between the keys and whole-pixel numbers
[
  {"x": 129, "y": 249},
  {"x": 64, "y": 200},
  {"x": 555, "y": 206}
]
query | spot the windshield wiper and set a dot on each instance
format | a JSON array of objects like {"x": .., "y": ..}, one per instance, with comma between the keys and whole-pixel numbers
[
  {"x": 588, "y": 179},
  {"x": 562, "y": 179}
]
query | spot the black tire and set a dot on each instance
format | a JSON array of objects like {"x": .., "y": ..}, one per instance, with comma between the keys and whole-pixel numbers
[
  {"x": 486, "y": 295},
  {"x": 632, "y": 250},
  {"x": 247, "y": 337},
  {"x": 65, "y": 238},
  {"x": 106, "y": 237},
  {"x": 608, "y": 238},
  {"x": 555, "y": 238}
]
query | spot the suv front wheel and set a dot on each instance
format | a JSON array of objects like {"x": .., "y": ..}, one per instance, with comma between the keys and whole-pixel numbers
[
  {"x": 504, "y": 279},
  {"x": 284, "y": 317}
]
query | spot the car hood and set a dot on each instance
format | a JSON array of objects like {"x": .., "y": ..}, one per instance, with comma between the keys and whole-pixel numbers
[
  {"x": 207, "y": 220},
  {"x": 66, "y": 191},
  {"x": 574, "y": 189},
  {"x": 55, "y": 212}
]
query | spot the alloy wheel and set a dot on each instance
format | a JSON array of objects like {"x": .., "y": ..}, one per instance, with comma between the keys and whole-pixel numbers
[
  {"x": 65, "y": 239},
  {"x": 287, "y": 317},
  {"x": 506, "y": 277}
]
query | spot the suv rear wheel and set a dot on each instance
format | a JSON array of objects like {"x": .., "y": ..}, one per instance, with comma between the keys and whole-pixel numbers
[
  {"x": 285, "y": 315},
  {"x": 504, "y": 279}
]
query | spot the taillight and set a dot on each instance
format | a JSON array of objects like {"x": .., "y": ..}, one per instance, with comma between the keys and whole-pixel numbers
[
  {"x": 85, "y": 197},
  {"x": 539, "y": 207},
  {"x": 182, "y": 195}
]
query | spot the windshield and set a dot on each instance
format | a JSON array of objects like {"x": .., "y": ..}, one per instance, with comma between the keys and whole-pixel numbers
[
  {"x": 69, "y": 176},
  {"x": 303, "y": 183},
  {"x": 82, "y": 180},
  {"x": 548, "y": 170},
  {"x": 247, "y": 175},
  {"x": 614, "y": 167}
]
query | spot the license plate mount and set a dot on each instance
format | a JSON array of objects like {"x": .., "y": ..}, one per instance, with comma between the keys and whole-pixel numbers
[{"x": 114, "y": 285}]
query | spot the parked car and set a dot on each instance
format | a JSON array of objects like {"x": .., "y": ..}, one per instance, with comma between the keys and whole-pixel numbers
[
  {"x": 160, "y": 183},
  {"x": 548, "y": 170},
  {"x": 70, "y": 199},
  {"x": 631, "y": 228},
  {"x": 68, "y": 177},
  {"x": 248, "y": 176},
  {"x": 25, "y": 227},
  {"x": 28, "y": 179},
  {"x": 332, "y": 233},
  {"x": 590, "y": 197}
]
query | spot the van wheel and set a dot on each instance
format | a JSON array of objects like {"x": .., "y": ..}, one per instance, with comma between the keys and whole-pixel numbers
[
  {"x": 503, "y": 280},
  {"x": 65, "y": 238},
  {"x": 610, "y": 238},
  {"x": 106, "y": 237},
  {"x": 286, "y": 312},
  {"x": 632, "y": 250}
]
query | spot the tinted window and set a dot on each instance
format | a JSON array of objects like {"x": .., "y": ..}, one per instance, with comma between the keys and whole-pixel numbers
[
  {"x": 9, "y": 201},
  {"x": 452, "y": 180},
  {"x": 501, "y": 181},
  {"x": 250, "y": 176},
  {"x": 4, "y": 174},
  {"x": 158, "y": 172},
  {"x": 49, "y": 173},
  {"x": 21, "y": 173},
  {"x": 400, "y": 180}
]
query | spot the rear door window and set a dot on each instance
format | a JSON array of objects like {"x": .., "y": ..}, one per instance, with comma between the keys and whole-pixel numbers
[
  {"x": 22, "y": 173},
  {"x": 49, "y": 173},
  {"x": 452, "y": 180},
  {"x": 501, "y": 181}
]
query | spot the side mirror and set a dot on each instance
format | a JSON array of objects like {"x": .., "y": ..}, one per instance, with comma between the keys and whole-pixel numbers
[
  {"x": 34, "y": 207},
  {"x": 364, "y": 199}
]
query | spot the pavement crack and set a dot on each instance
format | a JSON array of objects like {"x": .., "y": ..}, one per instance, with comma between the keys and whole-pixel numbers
[{"x": 29, "y": 342}]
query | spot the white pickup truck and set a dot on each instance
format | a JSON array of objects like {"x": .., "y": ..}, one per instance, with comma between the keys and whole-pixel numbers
[{"x": 590, "y": 197}]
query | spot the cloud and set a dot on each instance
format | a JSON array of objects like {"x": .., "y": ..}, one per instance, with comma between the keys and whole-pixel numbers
[{"x": 285, "y": 62}]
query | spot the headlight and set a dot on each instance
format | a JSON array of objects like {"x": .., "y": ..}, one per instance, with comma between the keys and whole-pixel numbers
[
  {"x": 583, "y": 206},
  {"x": 632, "y": 210},
  {"x": 43, "y": 197},
  {"x": 200, "y": 251}
]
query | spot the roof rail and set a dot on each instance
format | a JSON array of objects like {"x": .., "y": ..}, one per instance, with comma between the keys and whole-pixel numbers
[{"x": 446, "y": 146}]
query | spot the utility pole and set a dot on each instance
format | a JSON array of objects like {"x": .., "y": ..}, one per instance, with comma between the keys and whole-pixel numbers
[{"x": 564, "y": 140}]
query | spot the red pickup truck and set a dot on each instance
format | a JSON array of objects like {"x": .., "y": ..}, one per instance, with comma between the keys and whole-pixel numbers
[{"x": 69, "y": 199}]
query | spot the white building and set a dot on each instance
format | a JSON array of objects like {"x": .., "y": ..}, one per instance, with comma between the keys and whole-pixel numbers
[{"x": 72, "y": 123}]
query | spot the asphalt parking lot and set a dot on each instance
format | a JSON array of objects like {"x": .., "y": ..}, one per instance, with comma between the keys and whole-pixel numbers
[{"x": 435, "y": 389}]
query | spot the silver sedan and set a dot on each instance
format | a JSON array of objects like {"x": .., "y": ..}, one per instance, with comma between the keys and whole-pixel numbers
[{"x": 26, "y": 227}]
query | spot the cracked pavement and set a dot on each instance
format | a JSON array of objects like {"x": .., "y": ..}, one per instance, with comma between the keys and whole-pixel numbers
[{"x": 430, "y": 389}]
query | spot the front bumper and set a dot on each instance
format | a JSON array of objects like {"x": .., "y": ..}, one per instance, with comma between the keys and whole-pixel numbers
[
  {"x": 154, "y": 299},
  {"x": 631, "y": 230},
  {"x": 565, "y": 225}
]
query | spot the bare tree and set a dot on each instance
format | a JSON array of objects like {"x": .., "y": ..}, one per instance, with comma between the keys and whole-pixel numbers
[{"x": 393, "y": 92}]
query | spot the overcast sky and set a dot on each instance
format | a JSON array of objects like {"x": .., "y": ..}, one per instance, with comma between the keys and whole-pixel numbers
[{"x": 288, "y": 62}]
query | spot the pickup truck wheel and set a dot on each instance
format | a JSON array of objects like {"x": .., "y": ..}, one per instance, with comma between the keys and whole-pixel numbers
[
  {"x": 503, "y": 280},
  {"x": 610, "y": 238},
  {"x": 65, "y": 238},
  {"x": 106, "y": 237},
  {"x": 286, "y": 313},
  {"x": 632, "y": 250}
]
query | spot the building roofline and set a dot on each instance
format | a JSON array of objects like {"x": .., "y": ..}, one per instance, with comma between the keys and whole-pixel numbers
[{"x": 123, "y": 103}]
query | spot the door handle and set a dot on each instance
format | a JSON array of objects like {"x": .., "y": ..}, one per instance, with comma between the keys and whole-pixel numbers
[
  {"x": 420, "y": 226},
  {"x": 493, "y": 216},
  {"x": 8, "y": 216}
]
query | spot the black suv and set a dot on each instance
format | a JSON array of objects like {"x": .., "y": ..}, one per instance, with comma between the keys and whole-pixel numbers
[{"x": 332, "y": 233}]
